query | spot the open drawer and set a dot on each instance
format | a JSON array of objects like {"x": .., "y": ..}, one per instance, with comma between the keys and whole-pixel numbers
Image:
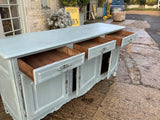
[
  {"x": 95, "y": 47},
  {"x": 122, "y": 37},
  {"x": 43, "y": 66}
]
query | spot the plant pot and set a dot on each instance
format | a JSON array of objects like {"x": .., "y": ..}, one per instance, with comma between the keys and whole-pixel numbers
[
  {"x": 100, "y": 11},
  {"x": 141, "y": 6},
  {"x": 81, "y": 17}
]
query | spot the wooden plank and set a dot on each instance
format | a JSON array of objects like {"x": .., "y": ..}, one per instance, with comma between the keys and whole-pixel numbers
[
  {"x": 121, "y": 34},
  {"x": 102, "y": 40},
  {"x": 92, "y": 14},
  {"x": 118, "y": 40},
  {"x": 26, "y": 69},
  {"x": 129, "y": 47},
  {"x": 81, "y": 49},
  {"x": 68, "y": 51}
]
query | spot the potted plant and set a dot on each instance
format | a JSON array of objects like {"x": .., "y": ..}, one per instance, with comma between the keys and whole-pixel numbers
[
  {"x": 142, "y": 3},
  {"x": 82, "y": 4},
  {"x": 82, "y": 8}
]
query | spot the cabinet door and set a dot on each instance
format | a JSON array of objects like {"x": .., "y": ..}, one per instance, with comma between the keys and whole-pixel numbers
[
  {"x": 113, "y": 63},
  {"x": 47, "y": 96},
  {"x": 89, "y": 72}
]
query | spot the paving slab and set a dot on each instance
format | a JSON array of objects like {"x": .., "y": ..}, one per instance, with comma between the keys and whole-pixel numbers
[{"x": 129, "y": 102}]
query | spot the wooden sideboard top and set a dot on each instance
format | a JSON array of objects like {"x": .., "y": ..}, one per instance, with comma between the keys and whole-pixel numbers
[{"x": 31, "y": 43}]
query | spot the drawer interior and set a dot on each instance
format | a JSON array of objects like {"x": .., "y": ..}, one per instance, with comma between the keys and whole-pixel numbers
[
  {"x": 84, "y": 46},
  {"x": 29, "y": 63},
  {"x": 118, "y": 36}
]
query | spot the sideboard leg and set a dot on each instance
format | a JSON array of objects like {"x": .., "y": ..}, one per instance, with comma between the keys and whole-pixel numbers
[
  {"x": 115, "y": 71},
  {"x": 5, "y": 108}
]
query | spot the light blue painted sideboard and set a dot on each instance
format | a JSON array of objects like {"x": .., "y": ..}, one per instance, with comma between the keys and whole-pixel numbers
[{"x": 40, "y": 72}]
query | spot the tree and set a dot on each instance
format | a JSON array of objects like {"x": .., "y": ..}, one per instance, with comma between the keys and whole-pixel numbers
[{"x": 142, "y": 2}]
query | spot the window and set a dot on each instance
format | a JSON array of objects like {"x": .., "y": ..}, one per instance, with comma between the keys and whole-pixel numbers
[
  {"x": 10, "y": 17},
  {"x": 44, "y": 3}
]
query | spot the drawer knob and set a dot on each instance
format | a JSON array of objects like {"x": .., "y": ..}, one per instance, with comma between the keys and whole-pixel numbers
[
  {"x": 103, "y": 50},
  {"x": 131, "y": 40},
  {"x": 63, "y": 67}
]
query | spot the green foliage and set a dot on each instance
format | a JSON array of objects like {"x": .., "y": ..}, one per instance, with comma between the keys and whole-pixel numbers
[
  {"x": 152, "y": 2},
  {"x": 133, "y": 2},
  {"x": 101, "y": 3},
  {"x": 82, "y": 3},
  {"x": 142, "y": 2},
  {"x": 127, "y": 1},
  {"x": 69, "y": 2}
]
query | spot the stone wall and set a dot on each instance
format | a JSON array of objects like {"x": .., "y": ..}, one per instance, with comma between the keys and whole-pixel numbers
[{"x": 36, "y": 16}]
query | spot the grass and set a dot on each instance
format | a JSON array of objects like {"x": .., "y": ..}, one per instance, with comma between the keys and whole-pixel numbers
[{"x": 144, "y": 9}]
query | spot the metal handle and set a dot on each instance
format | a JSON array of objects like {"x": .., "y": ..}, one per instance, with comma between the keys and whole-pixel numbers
[
  {"x": 103, "y": 50},
  {"x": 131, "y": 40},
  {"x": 63, "y": 67}
]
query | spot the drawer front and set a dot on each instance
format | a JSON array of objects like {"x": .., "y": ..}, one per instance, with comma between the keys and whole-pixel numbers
[
  {"x": 100, "y": 49},
  {"x": 52, "y": 70},
  {"x": 127, "y": 40}
]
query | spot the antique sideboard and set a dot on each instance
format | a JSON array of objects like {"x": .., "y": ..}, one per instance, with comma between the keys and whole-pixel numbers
[{"x": 40, "y": 72}]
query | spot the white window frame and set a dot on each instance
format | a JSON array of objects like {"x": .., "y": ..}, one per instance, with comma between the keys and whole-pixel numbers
[{"x": 8, "y": 5}]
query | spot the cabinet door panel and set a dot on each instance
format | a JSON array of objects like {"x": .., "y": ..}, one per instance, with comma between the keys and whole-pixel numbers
[
  {"x": 47, "y": 96},
  {"x": 51, "y": 91},
  {"x": 113, "y": 64},
  {"x": 88, "y": 75}
]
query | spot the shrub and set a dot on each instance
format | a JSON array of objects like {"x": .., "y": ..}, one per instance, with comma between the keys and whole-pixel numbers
[
  {"x": 133, "y": 2},
  {"x": 142, "y": 2},
  {"x": 152, "y": 2},
  {"x": 127, "y": 1},
  {"x": 82, "y": 3},
  {"x": 101, "y": 3},
  {"x": 69, "y": 2}
]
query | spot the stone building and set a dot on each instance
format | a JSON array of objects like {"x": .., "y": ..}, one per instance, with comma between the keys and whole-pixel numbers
[{"x": 24, "y": 16}]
